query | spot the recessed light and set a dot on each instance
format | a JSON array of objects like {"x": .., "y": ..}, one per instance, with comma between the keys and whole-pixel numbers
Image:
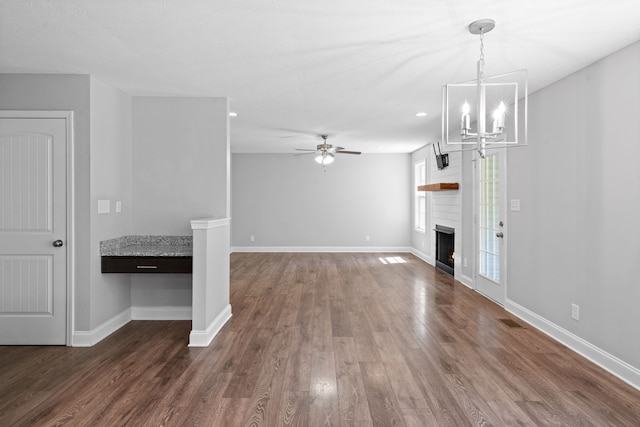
[
  {"x": 233, "y": 114},
  {"x": 421, "y": 114},
  {"x": 381, "y": 148}
]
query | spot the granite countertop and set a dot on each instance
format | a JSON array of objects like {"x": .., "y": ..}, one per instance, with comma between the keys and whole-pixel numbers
[{"x": 148, "y": 246}]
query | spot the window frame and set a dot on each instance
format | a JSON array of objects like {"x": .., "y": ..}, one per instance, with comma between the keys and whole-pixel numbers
[{"x": 420, "y": 197}]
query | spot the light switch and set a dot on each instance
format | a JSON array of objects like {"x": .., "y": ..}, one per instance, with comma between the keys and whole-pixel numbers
[
  {"x": 104, "y": 206},
  {"x": 118, "y": 206},
  {"x": 515, "y": 205}
]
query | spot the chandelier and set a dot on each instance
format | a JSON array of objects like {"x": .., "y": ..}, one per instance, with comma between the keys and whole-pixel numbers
[{"x": 487, "y": 111}]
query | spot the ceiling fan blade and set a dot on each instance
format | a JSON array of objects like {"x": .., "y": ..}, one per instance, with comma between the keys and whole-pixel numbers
[
  {"x": 305, "y": 149},
  {"x": 348, "y": 152},
  {"x": 304, "y": 154}
]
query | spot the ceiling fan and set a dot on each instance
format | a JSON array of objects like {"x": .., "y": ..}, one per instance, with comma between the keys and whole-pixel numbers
[{"x": 325, "y": 153}]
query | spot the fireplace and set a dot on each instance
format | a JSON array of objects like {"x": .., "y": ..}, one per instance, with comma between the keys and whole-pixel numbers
[{"x": 445, "y": 255}]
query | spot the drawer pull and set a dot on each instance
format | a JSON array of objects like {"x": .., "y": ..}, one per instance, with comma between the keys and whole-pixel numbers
[{"x": 147, "y": 266}]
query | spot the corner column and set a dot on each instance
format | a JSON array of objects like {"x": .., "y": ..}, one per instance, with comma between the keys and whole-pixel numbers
[{"x": 210, "y": 304}]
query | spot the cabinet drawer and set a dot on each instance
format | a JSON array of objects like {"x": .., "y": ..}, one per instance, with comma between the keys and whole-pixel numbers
[{"x": 146, "y": 265}]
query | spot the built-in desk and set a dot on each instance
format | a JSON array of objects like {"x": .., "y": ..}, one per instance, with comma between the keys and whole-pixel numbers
[{"x": 147, "y": 254}]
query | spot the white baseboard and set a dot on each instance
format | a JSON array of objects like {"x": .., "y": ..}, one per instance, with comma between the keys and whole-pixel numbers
[
  {"x": 161, "y": 313},
  {"x": 466, "y": 280},
  {"x": 90, "y": 338},
  {"x": 204, "y": 338},
  {"x": 367, "y": 249},
  {"x": 606, "y": 361},
  {"x": 426, "y": 258}
]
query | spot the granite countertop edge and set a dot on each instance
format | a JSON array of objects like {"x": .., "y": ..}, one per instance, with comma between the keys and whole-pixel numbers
[{"x": 148, "y": 246}]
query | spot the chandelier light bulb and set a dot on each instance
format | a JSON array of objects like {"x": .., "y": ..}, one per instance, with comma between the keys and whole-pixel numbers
[
  {"x": 465, "y": 120},
  {"x": 498, "y": 118}
]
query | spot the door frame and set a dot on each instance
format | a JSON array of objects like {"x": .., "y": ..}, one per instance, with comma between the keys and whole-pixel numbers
[
  {"x": 67, "y": 115},
  {"x": 504, "y": 265}
]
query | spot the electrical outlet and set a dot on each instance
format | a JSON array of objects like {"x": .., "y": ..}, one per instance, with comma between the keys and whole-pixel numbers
[
  {"x": 575, "y": 311},
  {"x": 367, "y": 238},
  {"x": 104, "y": 206},
  {"x": 118, "y": 206},
  {"x": 252, "y": 238}
]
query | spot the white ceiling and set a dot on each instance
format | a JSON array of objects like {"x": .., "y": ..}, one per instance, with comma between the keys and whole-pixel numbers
[{"x": 357, "y": 70}]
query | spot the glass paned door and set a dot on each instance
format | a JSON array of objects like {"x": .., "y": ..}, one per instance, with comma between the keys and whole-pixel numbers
[
  {"x": 489, "y": 208},
  {"x": 490, "y": 239}
]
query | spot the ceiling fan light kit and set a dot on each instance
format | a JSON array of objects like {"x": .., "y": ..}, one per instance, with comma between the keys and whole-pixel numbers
[
  {"x": 325, "y": 153},
  {"x": 491, "y": 104},
  {"x": 325, "y": 158}
]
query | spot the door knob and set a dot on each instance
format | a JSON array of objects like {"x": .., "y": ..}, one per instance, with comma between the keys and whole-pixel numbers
[
  {"x": 57, "y": 243},
  {"x": 499, "y": 234}
]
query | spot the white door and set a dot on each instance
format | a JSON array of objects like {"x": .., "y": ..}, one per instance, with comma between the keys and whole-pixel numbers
[
  {"x": 491, "y": 225},
  {"x": 33, "y": 230}
]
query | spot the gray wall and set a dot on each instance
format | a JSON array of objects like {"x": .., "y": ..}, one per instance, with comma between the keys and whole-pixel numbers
[
  {"x": 180, "y": 173},
  {"x": 110, "y": 180},
  {"x": 577, "y": 237},
  {"x": 102, "y": 145},
  {"x": 288, "y": 201},
  {"x": 64, "y": 92}
]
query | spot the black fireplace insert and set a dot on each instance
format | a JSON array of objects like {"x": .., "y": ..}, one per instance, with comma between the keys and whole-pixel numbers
[{"x": 445, "y": 254}]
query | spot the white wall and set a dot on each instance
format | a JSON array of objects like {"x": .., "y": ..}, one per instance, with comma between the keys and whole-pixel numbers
[
  {"x": 443, "y": 207},
  {"x": 110, "y": 180},
  {"x": 290, "y": 202},
  {"x": 446, "y": 206},
  {"x": 180, "y": 172}
]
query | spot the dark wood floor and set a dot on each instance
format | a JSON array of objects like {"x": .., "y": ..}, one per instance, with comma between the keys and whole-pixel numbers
[{"x": 321, "y": 339}]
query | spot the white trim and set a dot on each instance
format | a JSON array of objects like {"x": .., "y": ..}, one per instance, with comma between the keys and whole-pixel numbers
[
  {"x": 466, "y": 280},
  {"x": 204, "y": 338},
  {"x": 426, "y": 258},
  {"x": 367, "y": 249},
  {"x": 90, "y": 338},
  {"x": 161, "y": 313},
  {"x": 606, "y": 361},
  {"x": 206, "y": 223},
  {"x": 67, "y": 115}
]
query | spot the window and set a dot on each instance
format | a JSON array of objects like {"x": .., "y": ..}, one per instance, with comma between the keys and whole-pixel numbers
[{"x": 420, "y": 199}]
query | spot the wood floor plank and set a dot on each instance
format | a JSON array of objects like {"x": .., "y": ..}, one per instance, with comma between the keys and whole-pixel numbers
[
  {"x": 294, "y": 409},
  {"x": 419, "y": 417},
  {"x": 432, "y": 386},
  {"x": 400, "y": 377},
  {"x": 340, "y": 323},
  {"x": 322, "y": 332},
  {"x": 494, "y": 391},
  {"x": 338, "y": 339},
  {"x": 202, "y": 410},
  {"x": 351, "y": 392},
  {"x": 248, "y": 369},
  {"x": 298, "y": 371},
  {"x": 323, "y": 395},
  {"x": 366, "y": 348},
  {"x": 384, "y": 407}
]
